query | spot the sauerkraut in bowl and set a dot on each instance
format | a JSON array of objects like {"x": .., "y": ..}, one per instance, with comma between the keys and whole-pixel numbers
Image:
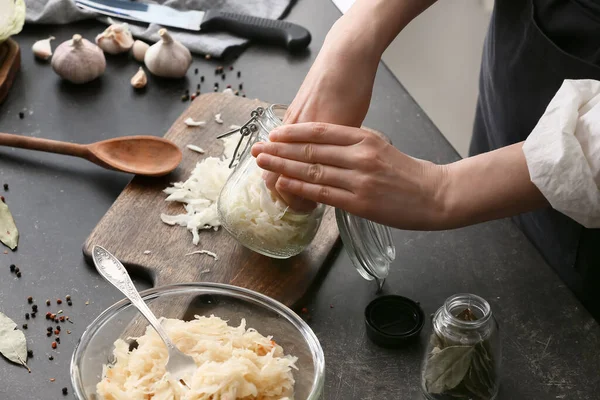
[{"x": 246, "y": 345}]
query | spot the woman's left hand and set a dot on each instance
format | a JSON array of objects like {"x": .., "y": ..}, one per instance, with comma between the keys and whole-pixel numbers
[{"x": 355, "y": 170}]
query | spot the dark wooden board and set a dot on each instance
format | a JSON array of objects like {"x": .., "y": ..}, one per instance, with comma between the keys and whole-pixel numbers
[
  {"x": 10, "y": 62},
  {"x": 133, "y": 225}
]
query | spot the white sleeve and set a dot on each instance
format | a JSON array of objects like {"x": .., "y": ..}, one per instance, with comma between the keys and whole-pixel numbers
[{"x": 563, "y": 152}]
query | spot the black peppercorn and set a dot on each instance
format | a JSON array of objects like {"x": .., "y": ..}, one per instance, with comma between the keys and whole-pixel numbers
[
  {"x": 24, "y": 326},
  {"x": 33, "y": 315},
  {"x": 223, "y": 76},
  {"x": 21, "y": 115},
  {"x": 18, "y": 274},
  {"x": 49, "y": 329},
  {"x": 202, "y": 78},
  {"x": 34, "y": 308},
  {"x": 69, "y": 302},
  {"x": 26, "y": 315},
  {"x": 12, "y": 267},
  {"x": 30, "y": 353},
  {"x": 17, "y": 269},
  {"x": 48, "y": 334},
  {"x": 51, "y": 358},
  {"x": 198, "y": 87},
  {"x": 196, "y": 71},
  {"x": 58, "y": 328},
  {"x": 215, "y": 89},
  {"x": 6, "y": 187},
  {"x": 68, "y": 297},
  {"x": 241, "y": 86},
  {"x": 65, "y": 391},
  {"x": 30, "y": 299},
  {"x": 57, "y": 339},
  {"x": 239, "y": 74}
]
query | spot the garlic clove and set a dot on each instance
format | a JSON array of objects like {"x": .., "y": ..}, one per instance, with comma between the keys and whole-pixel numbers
[
  {"x": 139, "y": 80},
  {"x": 42, "y": 48},
  {"x": 115, "y": 39},
  {"x": 168, "y": 58},
  {"x": 139, "y": 50},
  {"x": 78, "y": 60}
]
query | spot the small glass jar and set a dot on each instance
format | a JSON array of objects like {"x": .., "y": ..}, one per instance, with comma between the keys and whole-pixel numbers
[
  {"x": 463, "y": 356},
  {"x": 250, "y": 212}
]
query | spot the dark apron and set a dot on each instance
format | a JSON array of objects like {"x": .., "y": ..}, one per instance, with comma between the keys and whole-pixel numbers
[{"x": 521, "y": 72}]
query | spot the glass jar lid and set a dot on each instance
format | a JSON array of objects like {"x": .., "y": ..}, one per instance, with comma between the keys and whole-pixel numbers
[{"x": 368, "y": 244}]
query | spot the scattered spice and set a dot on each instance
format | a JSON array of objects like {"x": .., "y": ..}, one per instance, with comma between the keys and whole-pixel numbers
[
  {"x": 58, "y": 328},
  {"x": 223, "y": 76},
  {"x": 217, "y": 85},
  {"x": 48, "y": 315},
  {"x": 21, "y": 115},
  {"x": 48, "y": 334},
  {"x": 17, "y": 269},
  {"x": 33, "y": 315},
  {"x": 25, "y": 326},
  {"x": 87, "y": 303},
  {"x": 57, "y": 340},
  {"x": 304, "y": 310},
  {"x": 34, "y": 308},
  {"x": 69, "y": 303},
  {"x": 56, "y": 332},
  {"x": 52, "y": 379},
  {"x": 26, "y": 315},
  {"x": 6, "y": 187},
  {"x": 62, "y": 318},
  {"x": 196, "y": 71},
  {"x": 65, "y": 391},
  {"x": 58, "y": 301},
  {"x": 49, "y": 329},
  {"x": 51, "y": 357},
  {"x": 241, "y": 86},
  {"x": 185, "y": 97},
  {"x": 231, "y": 67},
  {"x": 192, "y": 97},
  {"x": 12, "y": 267},
  {"x": 68, "y": 297},
  {"x": 237, "y": 92},
  {"x": 207, "y": 57},
  {"x": 243, "y": 94},
  {"x": 198, "y": 86},
  {"x": 18, "y": 274},
  {"x": 68, "y": 332},
  {"x": 30, "y": 353},
  {"x": 331, "y": 306},
  {"x": 30, "y": 299},
  {"x": 239, "y": 74},
  {"x": 197, "y": 93},
  {"x": 216, "y": 89},
  {"x": 54, "y": 345},
  {"x": 48, "y": 302},
  {"x": 228, "y": 86},
  {"x": 59, "y": 312},
  {"x": 202, "y": 78}
]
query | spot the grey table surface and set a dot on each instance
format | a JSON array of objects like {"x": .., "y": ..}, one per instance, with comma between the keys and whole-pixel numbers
[{"x": 551, "y": 344}]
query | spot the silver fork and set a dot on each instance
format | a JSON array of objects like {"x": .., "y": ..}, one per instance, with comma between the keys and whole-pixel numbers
[{"x": 179, "y": 365}]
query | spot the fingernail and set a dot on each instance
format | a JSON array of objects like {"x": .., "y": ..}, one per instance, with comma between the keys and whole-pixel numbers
[
  {"x": 274, "y": 135},
  {"x": 283, "y": 182},
  {"x": 259, "y": 147}
]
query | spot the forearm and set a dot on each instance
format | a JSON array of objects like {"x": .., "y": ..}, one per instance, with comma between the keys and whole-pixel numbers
[
  {"x": 371, "y": 25},
  {"x": 486, "y": 187}
]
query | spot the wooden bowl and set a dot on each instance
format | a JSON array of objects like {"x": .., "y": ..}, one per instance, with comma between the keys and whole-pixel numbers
[{"x": 10, "y": 62}]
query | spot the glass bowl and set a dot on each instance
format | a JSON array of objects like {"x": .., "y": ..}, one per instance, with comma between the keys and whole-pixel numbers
[{"x": 231, "y": 303}]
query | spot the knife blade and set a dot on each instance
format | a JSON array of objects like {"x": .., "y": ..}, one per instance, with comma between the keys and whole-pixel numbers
[{"x": 270, "y": 31}]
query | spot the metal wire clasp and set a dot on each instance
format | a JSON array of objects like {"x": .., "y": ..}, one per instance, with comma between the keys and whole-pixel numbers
[{"x": 247, "y": 131}]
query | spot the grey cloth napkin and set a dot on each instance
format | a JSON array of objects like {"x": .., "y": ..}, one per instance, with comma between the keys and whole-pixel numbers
[{"x": 215, "y": 44}]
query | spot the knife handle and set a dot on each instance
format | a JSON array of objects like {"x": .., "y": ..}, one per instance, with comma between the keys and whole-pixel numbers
[{"x": 270, "y": 31}]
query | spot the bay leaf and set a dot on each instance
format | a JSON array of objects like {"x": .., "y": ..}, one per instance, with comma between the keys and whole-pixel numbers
[
  {"x": 445, "y": 369},
  {"x": 13, "y": 345},
  {"x": 9, "y": 234}
]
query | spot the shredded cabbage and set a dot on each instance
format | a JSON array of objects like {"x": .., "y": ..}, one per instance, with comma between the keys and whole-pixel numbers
[
  {"x": 201, "y": 191},
  {"x": 233, "y": 363},
  {"x": 12, "y": 18},
  {"x": 259, "y": 219}
]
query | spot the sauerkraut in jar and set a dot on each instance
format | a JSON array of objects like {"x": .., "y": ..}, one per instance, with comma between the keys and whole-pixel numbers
[{"x": 250, "y": 212}]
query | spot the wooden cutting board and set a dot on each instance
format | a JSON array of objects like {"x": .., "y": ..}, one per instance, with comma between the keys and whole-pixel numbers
[
  {"x": 10, "y": 62},
  {"x": 133, "y": 226}
]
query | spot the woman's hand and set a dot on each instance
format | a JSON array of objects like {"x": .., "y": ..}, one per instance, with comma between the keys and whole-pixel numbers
[{"x": 355, "y": 170}]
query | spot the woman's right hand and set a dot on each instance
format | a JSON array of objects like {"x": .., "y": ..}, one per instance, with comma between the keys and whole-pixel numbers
[{"x": 336, "y": 90}]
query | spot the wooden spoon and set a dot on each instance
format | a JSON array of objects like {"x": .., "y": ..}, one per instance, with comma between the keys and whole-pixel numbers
[{"x": 142, "y": 155}]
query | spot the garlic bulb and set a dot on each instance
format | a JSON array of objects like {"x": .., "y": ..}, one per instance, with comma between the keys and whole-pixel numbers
[
  {"x": 78, "y": 60},
  {"x": 168, "y": 58},
  {"x": 139, "y": 50},
  {"x": 115, "y": 39},
  {"x": 42, "y": 49},
  {"x": 139, "y": 80}
]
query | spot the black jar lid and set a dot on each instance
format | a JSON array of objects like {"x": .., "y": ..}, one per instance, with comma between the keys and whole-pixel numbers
[{"x": 392, "y": 321}]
